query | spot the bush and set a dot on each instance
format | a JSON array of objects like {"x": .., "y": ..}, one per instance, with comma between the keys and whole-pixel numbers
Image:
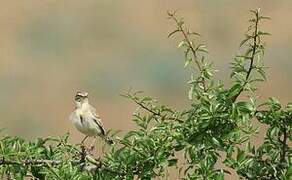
[{"x": 216, "y": 128}]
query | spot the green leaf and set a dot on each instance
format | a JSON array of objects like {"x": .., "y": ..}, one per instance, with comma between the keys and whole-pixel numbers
[
  {"x": 289, "y": 106},
  {"x": 264, "y": 17},
  {"x": 216, "y": 141},
  {"x": 190, "y": 95},
  {"x": 263, "y": 33},
  {"x": 220, "y": 176},
  {"x": 245, "y": 107},
  {"x": 276, "y": 105},
  {"x": 172, "y": 162},
  {"x": 187, "y": 62},
  {"x": 202, "y": 48},
  {"x": 172, "y": 33},
  {"x": 234, "y": 90},
  {"x": 240, "y": 155},
  {"x": 179, "y": 147},
  {"x": 288, "y": 174},
  {"x": 243, "y": 42},
  {"x": 182, "y": 43}
]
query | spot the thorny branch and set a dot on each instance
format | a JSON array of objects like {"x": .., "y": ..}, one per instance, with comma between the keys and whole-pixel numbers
[
  {"x": 251, "y": 58},
  {"x": 186, "y": 34}
]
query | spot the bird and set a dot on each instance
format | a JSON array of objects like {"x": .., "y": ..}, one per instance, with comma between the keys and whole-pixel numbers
[{"x": 86, "y": 120}]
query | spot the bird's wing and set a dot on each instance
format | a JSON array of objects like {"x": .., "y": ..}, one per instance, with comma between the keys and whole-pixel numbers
[{"x": 97, "y": 120}]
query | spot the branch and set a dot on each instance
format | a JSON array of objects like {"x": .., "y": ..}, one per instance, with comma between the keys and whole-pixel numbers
[
  {"x": 3, "y": 161},
  {"x": 190, "y": 44},
  {"x": 96, "y": 163},
  {"x": 154, "y": 112},
  {"x": 284, "y": 145},
  {"x": 254, "y": 47}
]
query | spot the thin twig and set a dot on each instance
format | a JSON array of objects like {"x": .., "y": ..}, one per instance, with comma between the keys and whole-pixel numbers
[
  {"x": 83, "y": 154},
  {"x": 3, "y": 161},
  {"x": 254, "y": 47},
  {"x": 284, "y": 145},
  {"x": 155, "y": 113},
  {"x": 190, "y": 44}
]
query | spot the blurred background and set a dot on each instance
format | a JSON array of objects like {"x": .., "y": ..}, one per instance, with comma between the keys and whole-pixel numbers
[{"x": 49, "y": 49}]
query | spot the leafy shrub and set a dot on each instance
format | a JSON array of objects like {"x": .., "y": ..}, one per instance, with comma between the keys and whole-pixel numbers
[{"x": 216, "y": 128}]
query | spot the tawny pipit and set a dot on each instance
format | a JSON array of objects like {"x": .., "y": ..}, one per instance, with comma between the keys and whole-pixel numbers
[{"x": 86, "y": 120}]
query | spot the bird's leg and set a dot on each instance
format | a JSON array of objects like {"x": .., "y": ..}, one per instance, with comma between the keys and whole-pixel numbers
[
  {"x": 82, "y": 142},
  {"x": 92, "y": 144},
  {"x": 83, "y": 146}
]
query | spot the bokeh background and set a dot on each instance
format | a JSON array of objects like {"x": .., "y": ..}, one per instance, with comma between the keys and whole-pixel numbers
[{"x": 49, "y": 49}]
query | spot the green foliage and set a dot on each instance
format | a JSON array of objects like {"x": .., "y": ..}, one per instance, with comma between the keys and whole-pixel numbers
[{"x": 215, "y": 128}]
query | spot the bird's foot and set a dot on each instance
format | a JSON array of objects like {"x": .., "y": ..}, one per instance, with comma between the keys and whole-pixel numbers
[
  {"x": 86, "y": 150},
  {"x": 91, "y": 148},
  {"x": 79, "y": 144}
]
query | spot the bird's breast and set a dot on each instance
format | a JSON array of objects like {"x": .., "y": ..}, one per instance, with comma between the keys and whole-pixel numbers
[{"x": 82, "y": 121}]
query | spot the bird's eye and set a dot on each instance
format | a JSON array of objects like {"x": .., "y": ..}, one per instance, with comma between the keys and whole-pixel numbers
[{"x": 77, "y": 98}]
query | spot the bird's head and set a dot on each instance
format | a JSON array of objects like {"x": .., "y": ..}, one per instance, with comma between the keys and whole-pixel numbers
[{"x": 81, "y": 97}]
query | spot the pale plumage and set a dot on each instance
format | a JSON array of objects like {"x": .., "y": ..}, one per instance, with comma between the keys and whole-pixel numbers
[{"x": 85, "y": 118}]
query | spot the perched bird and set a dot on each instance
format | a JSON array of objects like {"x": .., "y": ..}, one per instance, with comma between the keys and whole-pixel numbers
[{"x": 86, "y": 120}]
